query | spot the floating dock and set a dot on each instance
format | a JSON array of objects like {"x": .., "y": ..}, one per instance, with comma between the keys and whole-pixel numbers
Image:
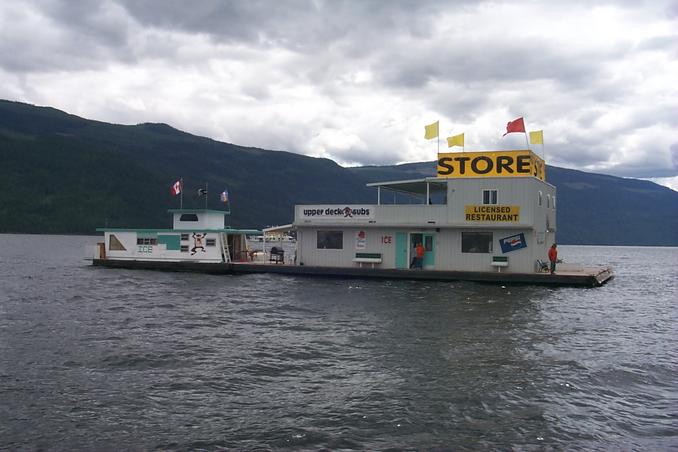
[{"x": 580, "y": 277}]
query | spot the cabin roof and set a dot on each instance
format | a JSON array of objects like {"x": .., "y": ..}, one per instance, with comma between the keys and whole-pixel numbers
[
  {"x": 183, "y": 231},
  {"x": 414, "y": 186},
  {"x": 223, "y": 212}
]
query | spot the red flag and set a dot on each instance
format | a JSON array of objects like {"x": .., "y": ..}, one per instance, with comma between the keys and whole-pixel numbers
[
  {"x": 517, "y": 125},
  {"x": 176, "y": 188}
]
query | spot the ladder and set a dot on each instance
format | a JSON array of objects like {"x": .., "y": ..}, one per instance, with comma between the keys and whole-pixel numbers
[{"x": 225, "y": 254}]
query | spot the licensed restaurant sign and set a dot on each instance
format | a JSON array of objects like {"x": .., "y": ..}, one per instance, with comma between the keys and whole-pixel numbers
[
  {"x": 491, "y": 164},
  {"x": 492, "y": 213}
]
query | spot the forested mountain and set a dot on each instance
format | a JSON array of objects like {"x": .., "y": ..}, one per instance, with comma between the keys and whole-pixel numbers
[{"x": 60, "y": 173}]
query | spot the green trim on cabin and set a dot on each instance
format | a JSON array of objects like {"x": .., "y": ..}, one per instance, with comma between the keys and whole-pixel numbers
[
  {"x": 147, "y": 235},
  {"x": 499, "y": 258},
  {"x": 368, "y": 255},
  {"x": 172, "y": 242},
  {"x": 182, "y": 231}
]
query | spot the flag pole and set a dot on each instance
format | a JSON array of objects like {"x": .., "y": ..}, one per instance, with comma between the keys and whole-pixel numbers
[
  {"x": 527, "y": 141},
  {"x": 438, "y": 136},
  {"x": 181, "y": 193},
  {"x": 543, "y": 149},
  {"x": 206, "y": 195}
]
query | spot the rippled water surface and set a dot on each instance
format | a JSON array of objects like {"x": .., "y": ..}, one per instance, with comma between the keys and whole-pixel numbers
[{"x": 95, "y": 358}]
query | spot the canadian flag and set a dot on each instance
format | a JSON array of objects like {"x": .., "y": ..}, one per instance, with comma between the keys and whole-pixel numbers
[{"x": 176, "y": 188}]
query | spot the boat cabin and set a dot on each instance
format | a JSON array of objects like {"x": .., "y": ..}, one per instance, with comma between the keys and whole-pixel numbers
[{"x": 198, "y": 235}]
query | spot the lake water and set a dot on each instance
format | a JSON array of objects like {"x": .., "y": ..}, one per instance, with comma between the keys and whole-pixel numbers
[{"x": 96, "y": 358}]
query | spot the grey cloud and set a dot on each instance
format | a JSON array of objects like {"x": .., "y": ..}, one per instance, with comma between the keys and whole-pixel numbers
[{"x": 70, "y": 36}]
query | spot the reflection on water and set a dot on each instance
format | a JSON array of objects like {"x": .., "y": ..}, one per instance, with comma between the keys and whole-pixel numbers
[{"x": 94, "y": 357}]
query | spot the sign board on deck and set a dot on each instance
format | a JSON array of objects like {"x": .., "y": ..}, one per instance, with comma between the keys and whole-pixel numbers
[
  {"x": 491, "y": 164},
  {"x": 492, "y": 213},
  {"x": 512, "y": 243},
  {"x": 336, "y": 212}
]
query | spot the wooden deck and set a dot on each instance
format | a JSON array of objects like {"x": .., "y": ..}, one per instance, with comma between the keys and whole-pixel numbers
[{"x": 577, "y": 277}]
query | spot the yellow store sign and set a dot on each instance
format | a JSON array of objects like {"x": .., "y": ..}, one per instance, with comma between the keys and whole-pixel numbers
[
  {"x": 492, "y": 213},
  {"x": 491, "y": 164}
]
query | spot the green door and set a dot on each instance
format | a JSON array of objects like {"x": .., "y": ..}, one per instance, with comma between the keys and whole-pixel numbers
[
  {"x": 430, "y": 254},
  {"x": 401, "y": 250}
]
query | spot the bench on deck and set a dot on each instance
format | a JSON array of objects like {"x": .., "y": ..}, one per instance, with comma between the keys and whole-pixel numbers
[
  {"x": 499, "y": 262},
  {"x": 367, "y": 258}
]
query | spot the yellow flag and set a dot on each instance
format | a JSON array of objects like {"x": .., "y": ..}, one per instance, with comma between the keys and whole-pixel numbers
[
  {"x": 457, "y": 140},
  {"x": 431, "y": 131},
  {"x": 537, "y": 137}
]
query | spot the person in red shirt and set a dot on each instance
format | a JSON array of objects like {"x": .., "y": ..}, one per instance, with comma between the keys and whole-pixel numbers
[
  {"x": 420, "y": 255},
  {"x": 553, "y": 257}
]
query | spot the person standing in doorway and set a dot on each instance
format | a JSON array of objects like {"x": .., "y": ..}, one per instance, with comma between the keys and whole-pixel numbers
[
  {"x": 553, "y": 257},
  {"x": 420, "y": 255}
]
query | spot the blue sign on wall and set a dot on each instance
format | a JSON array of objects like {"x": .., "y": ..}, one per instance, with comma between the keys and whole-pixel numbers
[{"x": 512, "y": 243}]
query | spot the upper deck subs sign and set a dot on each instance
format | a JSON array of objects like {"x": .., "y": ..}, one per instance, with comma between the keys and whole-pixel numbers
[
  {"x": 491, "y": 164},
  {"x": 336, "y": 212}
]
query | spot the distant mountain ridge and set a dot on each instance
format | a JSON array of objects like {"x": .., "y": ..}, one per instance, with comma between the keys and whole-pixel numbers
[{"x": 64, "y": 174}]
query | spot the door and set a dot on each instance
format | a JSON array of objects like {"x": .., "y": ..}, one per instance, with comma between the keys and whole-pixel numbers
[
  {"x": 401, "y": 250},
  {"x": 430, "y": 251}
]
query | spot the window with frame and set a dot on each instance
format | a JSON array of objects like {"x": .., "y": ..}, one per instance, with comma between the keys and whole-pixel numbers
[
  {"x": 539, "y": 198},
  {"x": 184, "y": 237},
  {"x": 146, "y": 241},
  {"x": 548, "y": 201},
  {"x": 184, "y": 249},
  {"x": 554, "y": 201},
  {"x": 476, "y": 242},
  {"x": 188, "y": 217},
  {"x": 114, "y": 244},
  {"x": 330, "y": 240},
  {"x": 490, "y": 196},
  {"x": 211, "y": 242}
]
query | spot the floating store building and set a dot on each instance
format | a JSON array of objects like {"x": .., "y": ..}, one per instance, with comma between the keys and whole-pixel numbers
[
  {"x": 485, "y": 212},
  {"x": 486, "y": 216}
]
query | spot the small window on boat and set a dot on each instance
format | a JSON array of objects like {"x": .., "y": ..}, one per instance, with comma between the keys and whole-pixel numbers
[
  {"x": 539, "y": 198},
  {"x": 184, "y": 248},
  {"x": 476, "y": 242},
  {"x": 554, "y": 201},
  {"x": 114, "y": 244},
  {"x": 548, "y": 201},
  {"x": 211, "y": 242},
  {"x": 188, "y": 217},
  {"x": 330, "y": 240},
  {"x": 489, "y": 196},
  {"x": 184, "y": 237},
  {"x": 147, "y": 241}
]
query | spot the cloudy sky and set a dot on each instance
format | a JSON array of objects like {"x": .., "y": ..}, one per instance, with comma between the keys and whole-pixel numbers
[{"x": 356, "y": 81}]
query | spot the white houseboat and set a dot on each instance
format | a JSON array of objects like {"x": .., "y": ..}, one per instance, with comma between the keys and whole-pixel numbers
[
  {"x": 486, "y": 216},
  {"x": 197, "y": 236}
]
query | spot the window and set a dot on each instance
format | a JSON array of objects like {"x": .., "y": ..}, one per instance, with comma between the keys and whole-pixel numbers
[
  {"x": 554, "y": 201},
  {"x": 184, "y": 237},
  {"x": 146, "y": 241},
  {"x": 188, "y": 217},
  {"x": 539, "y": 199},
  {"x": 489, "y": 196},
  {"x": 211, "y": 242},
  {"x": 330, "y": 240},
  {"x": 428, "y": 243},
  {"x": 476, "y": 242},
  {"x": 548, "y": 201},
  {"x": 184, "y": 248},
  {"x": 114, "y": 244}
]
